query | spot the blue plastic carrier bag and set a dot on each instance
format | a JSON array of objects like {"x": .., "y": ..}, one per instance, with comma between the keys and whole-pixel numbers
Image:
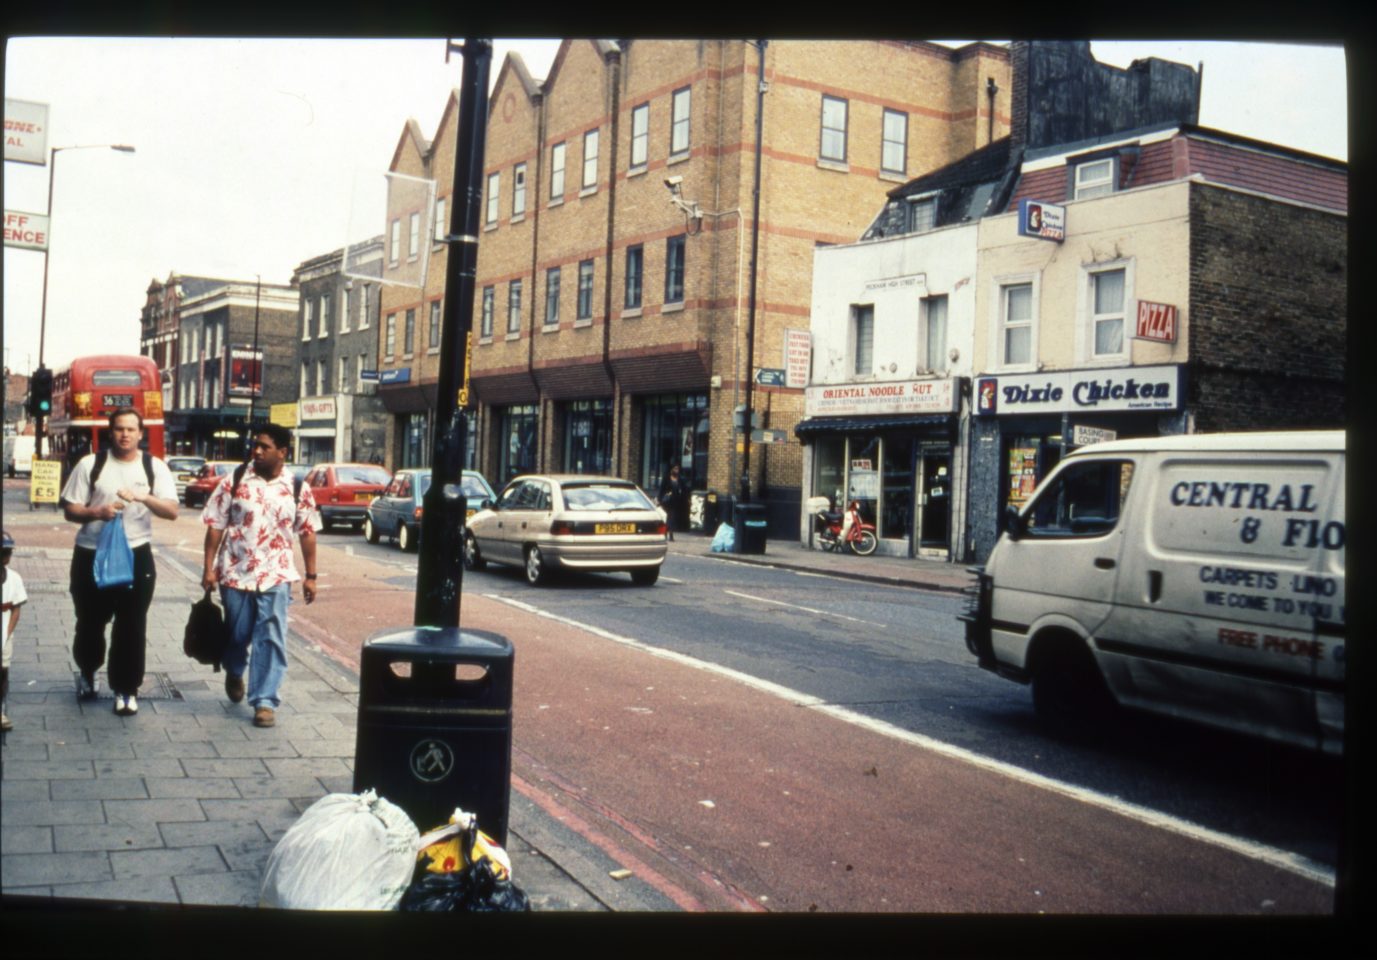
[
  {"x": 724, "y": 540},
  {"x": 114, "y": 557}
]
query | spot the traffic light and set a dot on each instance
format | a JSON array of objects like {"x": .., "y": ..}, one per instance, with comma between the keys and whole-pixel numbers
[{"x": 41, "y": 392}]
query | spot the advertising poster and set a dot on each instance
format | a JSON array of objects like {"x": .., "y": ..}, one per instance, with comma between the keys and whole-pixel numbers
[
  {"x": 1023, "y": 474},
  {"x": 246, "y": 373}
]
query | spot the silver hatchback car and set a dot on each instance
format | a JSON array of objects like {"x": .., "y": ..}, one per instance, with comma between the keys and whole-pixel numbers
[{"x": 567, "y": 521}]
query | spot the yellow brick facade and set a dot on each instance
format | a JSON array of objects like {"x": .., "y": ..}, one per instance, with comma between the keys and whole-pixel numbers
[{"x": 631, "y": 359}]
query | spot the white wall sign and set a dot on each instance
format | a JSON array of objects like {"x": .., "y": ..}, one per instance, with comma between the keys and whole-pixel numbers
[
  {"x": 26, "y": 131},
  {"x": 1083, "y": 436},
  {"x": 1118, "y": 388},
  {"x": 26, "y": 230},
  {"x": 798, "y": 357},
  {"x": 317, "y": 408},
  {"x": 902, "y": 396}
]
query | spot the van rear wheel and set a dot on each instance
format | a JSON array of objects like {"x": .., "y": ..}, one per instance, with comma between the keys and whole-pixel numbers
[{"x": 1069, "y": 694}]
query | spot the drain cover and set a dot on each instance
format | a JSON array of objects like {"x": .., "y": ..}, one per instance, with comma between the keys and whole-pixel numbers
[{"x": 156, "y": 686}]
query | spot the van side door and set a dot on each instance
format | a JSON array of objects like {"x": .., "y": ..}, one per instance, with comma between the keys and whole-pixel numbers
[
  {"x": 1331, "y": 623},
  {"x": 1209, "y": 622}
]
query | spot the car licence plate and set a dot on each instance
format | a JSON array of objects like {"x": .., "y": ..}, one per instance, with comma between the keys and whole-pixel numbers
[
  {"x": 363, "y": 497},
  {"x": 614, "y": 528}
]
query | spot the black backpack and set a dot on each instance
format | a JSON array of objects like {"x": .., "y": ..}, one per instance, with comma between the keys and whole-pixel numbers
[
  {"x": 103, "y": 455},
  {"x": 206, "y": 633}
]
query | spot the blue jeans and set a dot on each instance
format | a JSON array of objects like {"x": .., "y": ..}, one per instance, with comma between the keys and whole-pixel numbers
[{"x": 257, "y": 620}]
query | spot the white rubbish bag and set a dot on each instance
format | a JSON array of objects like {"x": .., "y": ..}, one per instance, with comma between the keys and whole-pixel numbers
[
  {"x": 347, "y": 852},
  {"x": 724, "y": 540}
]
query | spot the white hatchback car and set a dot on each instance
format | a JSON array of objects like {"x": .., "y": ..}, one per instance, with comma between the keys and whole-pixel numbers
[{"x": 567, "y": 521}]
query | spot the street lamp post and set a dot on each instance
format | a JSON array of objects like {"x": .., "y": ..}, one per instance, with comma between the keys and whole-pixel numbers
[{"x": 43, "y": 314}]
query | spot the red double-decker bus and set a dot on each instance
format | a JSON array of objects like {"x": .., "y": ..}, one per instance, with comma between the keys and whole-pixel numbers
[{"x": 89, "y": 390}]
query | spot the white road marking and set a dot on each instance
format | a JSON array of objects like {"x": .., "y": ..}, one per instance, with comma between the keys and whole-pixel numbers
[
  {"x": 821, "y": 613},
  {"x": 664, "y": 579},
  {"x": 1281, "y": 859}
]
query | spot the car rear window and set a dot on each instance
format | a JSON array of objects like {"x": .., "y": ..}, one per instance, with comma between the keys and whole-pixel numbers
[
  {"x": 374, "y": 475},
  {"x": 604, "y": 496}
]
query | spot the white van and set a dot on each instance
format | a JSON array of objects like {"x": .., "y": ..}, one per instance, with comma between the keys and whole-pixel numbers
[
  {"x": 1197, "y": 576},
  {"x": 21, "y": 456}
]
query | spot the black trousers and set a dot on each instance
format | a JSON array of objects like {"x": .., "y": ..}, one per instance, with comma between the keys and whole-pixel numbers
[{"x": 127, "y": 606}]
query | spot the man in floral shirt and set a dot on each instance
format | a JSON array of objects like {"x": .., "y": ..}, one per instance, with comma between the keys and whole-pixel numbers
[{"x": 254, "y": 522}]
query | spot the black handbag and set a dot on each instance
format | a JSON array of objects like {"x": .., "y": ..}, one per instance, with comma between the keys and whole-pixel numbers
[{"x": 206, "y": 633}]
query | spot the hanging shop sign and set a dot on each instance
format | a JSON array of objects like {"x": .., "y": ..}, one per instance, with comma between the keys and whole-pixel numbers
[
  {"x": 1119, "y": 388},
  {"x": 1045, "y": 221},
  {"x": 798, "y": 358},
  {"x": 246, "y": 373},
  {"x": 285, "y": 414},
  {"x": 28, "y": 231},
  {"x": 1156, "y": 321},
  {"x": 1083, "y": 436},
  {"x": 901, "y": 396},
  {"x": 26, "y": 131},
  {"x": 402, "y": 375}
]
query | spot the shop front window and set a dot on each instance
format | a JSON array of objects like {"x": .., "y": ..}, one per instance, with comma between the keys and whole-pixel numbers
[
  {"x": 896, "y": 488},
  {"x": 829, "y": 468},
  {"x": 517, "y": 436},
  {"x": 676, "y": 431},
  {"x": 588, "y": 437},
  {"x": 416, "y": 453},
  {"x": 863, "y": 473}
]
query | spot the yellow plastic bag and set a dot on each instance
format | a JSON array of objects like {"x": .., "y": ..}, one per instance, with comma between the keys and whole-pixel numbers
[{"x": 460, "y": 843}]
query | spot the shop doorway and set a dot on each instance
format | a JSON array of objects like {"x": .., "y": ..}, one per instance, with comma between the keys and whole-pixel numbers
[{"x": 934, "y": 502}]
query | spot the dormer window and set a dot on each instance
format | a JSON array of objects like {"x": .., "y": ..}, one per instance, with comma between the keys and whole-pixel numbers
[
  {"x": 1093, "y": 179},
  {"x": 922, "y": 214}
]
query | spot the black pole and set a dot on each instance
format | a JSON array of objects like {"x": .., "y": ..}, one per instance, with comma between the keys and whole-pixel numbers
[
  {"x": 755, "y": 254},
  {"x": 440, "y": 566}
]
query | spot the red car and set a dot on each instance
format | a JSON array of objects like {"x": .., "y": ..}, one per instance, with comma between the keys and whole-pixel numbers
[
  {"x": 343, "y": 491},
  {"x": 200, "y": 489}
]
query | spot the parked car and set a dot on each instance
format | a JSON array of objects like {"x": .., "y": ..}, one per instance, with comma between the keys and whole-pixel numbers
[
  {"x": 184, "y": 470},
  {"x": 199, "y": 489},
  {"x": 566, "y": 521},
  {"x": 397, "y": 512},
  {"x": 343, "y": 490}
]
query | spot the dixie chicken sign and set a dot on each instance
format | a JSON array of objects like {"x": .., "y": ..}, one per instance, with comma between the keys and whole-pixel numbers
[{"x": 1124, "y": 388}]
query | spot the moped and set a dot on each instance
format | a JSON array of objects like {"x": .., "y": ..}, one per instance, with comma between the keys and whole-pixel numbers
[{"x": 842, "y": 531}]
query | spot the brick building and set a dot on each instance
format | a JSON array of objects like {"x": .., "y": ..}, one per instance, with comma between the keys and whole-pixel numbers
[
  {"x": 201, "y": 333},
  {"x": 609, "y": 323},
  {"x": 339, "y": 415}
]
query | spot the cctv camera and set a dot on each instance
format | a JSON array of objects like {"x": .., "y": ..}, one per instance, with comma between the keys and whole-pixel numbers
[{"x": 673, "y": 182}]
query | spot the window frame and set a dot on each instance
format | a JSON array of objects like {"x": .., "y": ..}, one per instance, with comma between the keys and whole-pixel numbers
[
  {"x": 936, "y": 364},
  {"x": 363, "y": 306},
  {"x": 390, "y": 336},
  {"x": 394, "y": 254},
  {"x": 1055, "y": 495},
  {"x": 1098, "y": 187},
  {"x": 823, "y": 129},
  {"x": 584, "y": 310},
  {"x": 409, "y": 333},
  {"x": 886, "y": 142},
  {"x": 591, "y": 158},
  {"x": 675, "y": 245},
  {"x": 552, "y": 285},
  {"x": 346, "y": 309},
  {"x": 308, "y": 317},
  {"x": 1003, "y": 285},
  {"x": 433, "y": 336},
  {"x": 439, "y": 228},
  {"x": 514, "y": 308},
  {"x": 920, "y": 201},
  {"x": 634, "y": 252},
  {"x": 413, "y": 250},
  {"x": 854, "y": 339},
  {"x": 679, "y": 123},
  {"x": 518, "y": 191},
  {"x": 326, "y": 302},
  {"x": 494, "y": 192},
  {"x": 1089, "y": 320},
  {"x": 486, "y": 312},
  {"x": 640, "y": 138},
  {"x": 558, "y": 159}
]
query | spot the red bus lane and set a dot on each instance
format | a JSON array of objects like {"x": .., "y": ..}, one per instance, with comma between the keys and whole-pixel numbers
[{"x": 726, "y": 797}]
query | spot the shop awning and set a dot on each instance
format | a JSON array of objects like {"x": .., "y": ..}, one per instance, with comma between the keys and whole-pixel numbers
[{"x": 814, "y": 426}]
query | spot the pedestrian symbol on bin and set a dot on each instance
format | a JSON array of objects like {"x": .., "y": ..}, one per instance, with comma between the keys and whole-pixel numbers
[{"x": 431, "y": 761}]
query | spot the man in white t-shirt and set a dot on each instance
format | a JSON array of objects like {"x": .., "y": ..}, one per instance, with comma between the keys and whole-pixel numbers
[{"x": 142, "y": 486}]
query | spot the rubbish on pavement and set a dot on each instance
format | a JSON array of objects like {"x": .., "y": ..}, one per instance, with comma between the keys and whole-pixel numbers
[
  {"x": 619, "y": 874},
  {"x": 724, "y": 539},
  {"x": 346, "y": 852},
  {"x": 460, "y": 869}
]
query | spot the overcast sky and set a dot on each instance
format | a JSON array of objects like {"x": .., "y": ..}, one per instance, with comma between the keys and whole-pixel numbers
[{"x": 248, "y": 153}]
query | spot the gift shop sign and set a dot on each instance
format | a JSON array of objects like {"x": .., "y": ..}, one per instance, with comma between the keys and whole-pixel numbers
[
  {"x": 317, "y": 408},
  {"x": 902, "y": 396},
  {"x": 1120, "y": 388}
]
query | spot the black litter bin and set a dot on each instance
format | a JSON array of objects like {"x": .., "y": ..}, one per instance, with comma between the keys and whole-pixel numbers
[
  {"x": 435, "y": 724},
  {"x": 711, "y": 512},
  {"x": 751, "y": 527}
]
